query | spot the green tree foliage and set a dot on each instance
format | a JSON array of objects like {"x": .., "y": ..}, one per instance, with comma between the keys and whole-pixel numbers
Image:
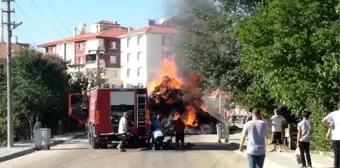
[
  {"x": 211, "y": 50},
  {"x": 293, "y": 46},
  {"x": 92, "y": 77},
  {"x": 40, "y": 86},
  {"x": 270, "y": 54}
]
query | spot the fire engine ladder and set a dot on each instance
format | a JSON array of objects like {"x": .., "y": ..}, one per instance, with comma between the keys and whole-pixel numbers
[{"x": 141, "y": 113}]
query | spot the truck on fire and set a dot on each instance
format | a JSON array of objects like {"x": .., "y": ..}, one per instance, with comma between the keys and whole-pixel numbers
[{"x": 101, "y": 110}]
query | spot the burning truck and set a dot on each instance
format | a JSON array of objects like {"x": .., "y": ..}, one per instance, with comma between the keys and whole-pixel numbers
[{"x": 169, "y": 94}]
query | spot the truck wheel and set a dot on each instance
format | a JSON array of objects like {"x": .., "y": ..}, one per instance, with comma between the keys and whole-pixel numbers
[
  {"x": 103, "y": 146},
  {"x": 93, "y": 143}
]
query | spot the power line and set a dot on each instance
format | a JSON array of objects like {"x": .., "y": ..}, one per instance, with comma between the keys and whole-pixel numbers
[
  {"x": 36, "y": 7},
  {"x": 61, "y": 21},
  {"x": 32, "y": 21}
]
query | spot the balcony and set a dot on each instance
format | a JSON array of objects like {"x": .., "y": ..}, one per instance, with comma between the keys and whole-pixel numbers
[{"x": 91, "y": 62}]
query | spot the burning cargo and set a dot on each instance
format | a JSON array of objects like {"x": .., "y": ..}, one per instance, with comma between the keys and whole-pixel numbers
[{"x": 170, "y": 94}]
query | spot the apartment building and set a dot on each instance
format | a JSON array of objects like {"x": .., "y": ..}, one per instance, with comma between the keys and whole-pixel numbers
[
  {"x": 77, "y": 48},
  {"x": 142, "y": 51}
]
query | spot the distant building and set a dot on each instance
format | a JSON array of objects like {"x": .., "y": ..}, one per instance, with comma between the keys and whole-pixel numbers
[
  {"x": 142, "y": 51},
  {"x": 75, "y": 49},
  {"x": 16, "y": 47}
]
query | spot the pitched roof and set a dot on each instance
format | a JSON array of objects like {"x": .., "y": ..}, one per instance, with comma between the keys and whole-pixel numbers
[
  {"x": 3, "y": 49},
  {"x": 112, "y": 32},
  {"x": 153, "y": 30}
]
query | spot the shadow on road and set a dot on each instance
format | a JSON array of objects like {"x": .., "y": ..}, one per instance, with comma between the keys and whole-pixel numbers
[
  {"x": 203, "y": 146},
  {"x": 69, "y": 149},
  {"x": 214, "y": 146}
]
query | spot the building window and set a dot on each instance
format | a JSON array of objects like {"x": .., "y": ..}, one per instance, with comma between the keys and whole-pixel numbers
[
  {"x": 128, "y": 57},
  {"x": 139, "y": 56},
  {"x": 113, "y": 45},
  {"x": 167, "y": 40},
  {"x": 80, "y": 46},
  {"x": 128, "y": 72},
  {"x": 113, "y": 59},
  {"x": 80, "y": 60},
  {"x": 139, "y": 71},
  {"x": 166, "y": 54},
  {"x": 139, "y": 40},
  {"x": 90, "y": 58},
  {"x": 128, "y": 42}
]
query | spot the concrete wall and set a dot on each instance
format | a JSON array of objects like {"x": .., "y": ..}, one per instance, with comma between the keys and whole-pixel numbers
[{"x": 93, "y": 44}]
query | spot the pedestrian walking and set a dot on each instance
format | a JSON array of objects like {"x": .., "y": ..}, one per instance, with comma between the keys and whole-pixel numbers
[
  {"x": 304, "y": 136},
  {"x": 277, "y": 121},
  {"x": 255, "y": 130},
  {"x": 332, "y": 121},
  {"x": 123, "y": 129}
]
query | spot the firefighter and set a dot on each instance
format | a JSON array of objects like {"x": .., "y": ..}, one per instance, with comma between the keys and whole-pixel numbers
[
  {"x": 179, "y": 129},
  {"x": 156, "y": 125},
  {"x": 123, "y": 129},
  {"x": 158, "y": 135}
]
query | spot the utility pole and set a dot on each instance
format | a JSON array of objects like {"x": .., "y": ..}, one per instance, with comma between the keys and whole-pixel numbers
[
  {"x": 98, "y": 52},
  {"x": 10, "y": 27}
]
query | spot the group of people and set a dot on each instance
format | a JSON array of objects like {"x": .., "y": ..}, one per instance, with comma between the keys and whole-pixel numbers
[
  {"x": 256, "y": 130},
  {"x": 156, "y": 131}
]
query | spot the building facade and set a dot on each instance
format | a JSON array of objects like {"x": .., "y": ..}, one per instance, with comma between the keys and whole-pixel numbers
[
  {"x": 78, "y": 50},
  {"x": 16, "y": 47},
  {"x": 142, "y": 51}
]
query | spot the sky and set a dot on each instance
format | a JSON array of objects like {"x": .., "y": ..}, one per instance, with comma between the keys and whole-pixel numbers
[{"x": 48, "y": 20}]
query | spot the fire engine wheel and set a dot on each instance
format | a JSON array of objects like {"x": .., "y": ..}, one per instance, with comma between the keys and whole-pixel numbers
[
  {"x": 103, "y": 146},
  {"x": 93, "y": 142}
]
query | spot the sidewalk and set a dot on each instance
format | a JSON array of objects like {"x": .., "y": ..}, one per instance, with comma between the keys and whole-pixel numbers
[{"x": 26, "y": 147}]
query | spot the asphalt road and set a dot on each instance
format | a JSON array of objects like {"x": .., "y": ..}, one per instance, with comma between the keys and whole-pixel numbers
[{"x": 77, "y": 154}]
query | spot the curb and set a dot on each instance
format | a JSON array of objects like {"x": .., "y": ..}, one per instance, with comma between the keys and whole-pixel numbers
[
  {"x": 17, "y": 154},
  {"x": 31, "y": 150}
]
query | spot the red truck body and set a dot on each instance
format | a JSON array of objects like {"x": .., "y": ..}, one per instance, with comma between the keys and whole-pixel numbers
[{"x": 106, "y": 107}]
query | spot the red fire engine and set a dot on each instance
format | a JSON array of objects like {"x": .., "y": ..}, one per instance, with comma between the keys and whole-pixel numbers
[{"x": 105, "y": 108}]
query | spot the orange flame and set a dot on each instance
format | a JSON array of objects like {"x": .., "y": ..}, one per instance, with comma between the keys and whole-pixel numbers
[
  {"x": 148, "y": 117},
  {"x": 168, "y": 77},
  {"x": 168, "y": 68},
  {"x": 191, "y": 117}
]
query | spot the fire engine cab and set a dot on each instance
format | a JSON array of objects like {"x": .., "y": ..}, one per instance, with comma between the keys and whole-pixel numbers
[{"x": 105, "y": 109}]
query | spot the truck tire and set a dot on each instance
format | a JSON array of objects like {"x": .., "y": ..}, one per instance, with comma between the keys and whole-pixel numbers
[
  {"x": 103, "y": 145},
  {"x": 94, "y": 144}
]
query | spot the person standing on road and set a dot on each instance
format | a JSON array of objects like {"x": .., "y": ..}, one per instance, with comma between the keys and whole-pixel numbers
[
  {"x": 255, "y": 130},
  {"x": 304, "y": 136},
  {"x": 123, "y": 129},
  {"x": 332, "y": 121},
  {"x": 179, "y": 129},
  {"x": 277, "y": 121}
]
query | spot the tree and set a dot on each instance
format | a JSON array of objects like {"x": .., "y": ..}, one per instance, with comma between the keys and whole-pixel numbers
[
  {"x": 292, "y": 46},
  {"x": 79, "y": 82},
  {"x": 92, "y": 77},
  {"x": 40, "y": 87},
  {"x": 211, "y": 50}
]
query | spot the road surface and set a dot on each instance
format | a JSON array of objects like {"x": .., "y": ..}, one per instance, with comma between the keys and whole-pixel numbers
[{"x": 77, "y": 154}]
